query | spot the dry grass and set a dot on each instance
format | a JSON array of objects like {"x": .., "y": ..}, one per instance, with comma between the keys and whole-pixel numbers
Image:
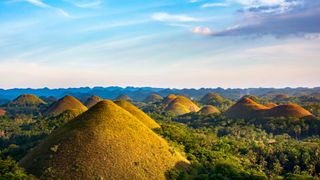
[
  {"x": 93, "y": 100},
  {"x": 209, "y": 109},
  {"x": 144, "y": 118},
  {"x": 106, "y": 142},
  {"x": 247, "y": 108},
  {"x": 167, "y": 100},
  {"x": 181, "y": 105},
  {"x": 289, "y": 110},
  {"x": 27, "y": 100},
  {"x": 66, "y": 103}
]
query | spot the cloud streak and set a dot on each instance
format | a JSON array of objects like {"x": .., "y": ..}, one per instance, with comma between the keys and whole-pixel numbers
[
  {"x": 41, "y": 4},
  {"x": 166, "y": 17}
]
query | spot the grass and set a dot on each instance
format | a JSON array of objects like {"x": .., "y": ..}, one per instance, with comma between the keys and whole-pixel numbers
[
  {"x": 136, "y": 112},
  {"x": 209, "y": 109},
  {"x": 153, "y": 98},
  {"x": 247, "y": 108},
  {"x": 66, "y": 103},
  {"x": 26, "y": 100},
  {"x": 180, "y": 105},
  {"x": 106, "y": 142}
]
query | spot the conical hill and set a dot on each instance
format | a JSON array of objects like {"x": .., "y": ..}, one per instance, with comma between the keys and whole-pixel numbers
[
  {"x": 152, "y": 98},
  {"x": 26, "y": 100},
  {"x": 182, "y": 105},
  {"x": 106, "y": 142},
  {"x": 245, "y": 108},
  {"x": 144, "y": 118},
  {"x": 124, "y": 97},
  {"x": 66, "y": 103},
  {"x": 92, "y": 100},
  {"x": 209, "y": 109},
  {"x": 288, "y": 110}
]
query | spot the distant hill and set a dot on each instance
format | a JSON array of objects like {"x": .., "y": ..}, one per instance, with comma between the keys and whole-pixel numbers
[
  {"x": 209, "y": 109},
  {"x": 152, "y": 98},
  {"x": 92, "y": 100},
  {"x": 26, "y": 100},
  {"x": 106, "y": 142},
  {"x": 144, "y": 118},
  {"x": 246, "y": 108},
  {"x": 212, "y": 99},
  {"x": 167, "y": 100},
  {"x": 2, "y": 112},
  {"x": 124, "y": 97},
  {"x": 65, "y": 103},
  {"x": 288, "y": 110},
  {"x": 179, "y": 105}
]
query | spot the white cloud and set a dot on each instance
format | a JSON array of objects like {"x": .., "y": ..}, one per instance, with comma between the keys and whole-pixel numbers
[
  {"x": 201, "y": 30},
  {"x": 208, "y": 5},
  {"x": 85, "y": 3},
  {"x": 166, "y": 17}
]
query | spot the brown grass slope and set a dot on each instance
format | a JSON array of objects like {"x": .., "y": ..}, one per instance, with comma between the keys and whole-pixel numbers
[
  {"x": 245, "y": 108},
  {"x": 182, "y": 105},
  {"x": 66, "y": 103},
  {"x": 26, "y": 100},
  {"x": 106, "y": 142},
  {"x": 209, "y": 109},
  {"x": 152, "y": 98},
  {"x": 92, "y": 100},
  {"x": 271, "y": 105},
  {"x": 288, "y": 110},
  {"x": 136, "y": 112}
]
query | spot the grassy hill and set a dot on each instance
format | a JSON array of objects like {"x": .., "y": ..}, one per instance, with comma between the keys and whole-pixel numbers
[
  {"x": 144, "y": 118},
  {"x": 2, "y": 112},
  {"x": 152, "y": 98},
  {"x": 181, "y": 105},
  {"x": 209, "y": 109},
  {"x": 65, "y": 103},
  {"x": 247, "y": 108},
  {"x": 106, "y": 142},
  {"x": 92, "y": 100},
  {"x": 26, "y": 100},
  {"x": 124, "y": 97}
]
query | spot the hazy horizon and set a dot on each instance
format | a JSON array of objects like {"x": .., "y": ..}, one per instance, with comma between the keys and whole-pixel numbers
[{"x": 181, "y": 44}]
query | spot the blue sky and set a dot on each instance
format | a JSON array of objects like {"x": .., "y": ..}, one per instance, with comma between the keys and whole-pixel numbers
[{"x": 161, "y": 43}]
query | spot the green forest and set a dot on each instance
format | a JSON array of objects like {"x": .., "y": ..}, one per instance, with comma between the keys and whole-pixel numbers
[{"x": 217, "y": 146}]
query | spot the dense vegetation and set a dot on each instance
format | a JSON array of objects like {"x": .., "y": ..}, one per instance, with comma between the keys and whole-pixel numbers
[{"x": 217, "y": 147}]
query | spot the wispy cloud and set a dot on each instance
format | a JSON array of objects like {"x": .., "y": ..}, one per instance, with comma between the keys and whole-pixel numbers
[
  {"x": 41, "y": 4},
  {"x": 85, "y": 3},
  {"x": 166, "y": 17},
  {"x": 208, "y": 5}
]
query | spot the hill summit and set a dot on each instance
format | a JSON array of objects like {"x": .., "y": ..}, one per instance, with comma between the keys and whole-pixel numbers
[
  {"x": 179, "y": 105},
  {"x": 144, "y": 118},
  {"x": 152, "y": 98},
  {"x": 106, "y": 142},
  {"x": 124, "y": 97},
  {"x": 66, "y": 103},
  {"x": 92, "y": 100},
  {"x": 246, "y": 108},
  {"x": 209, "y": 109},
  {"x": 26, "y": 100}
]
